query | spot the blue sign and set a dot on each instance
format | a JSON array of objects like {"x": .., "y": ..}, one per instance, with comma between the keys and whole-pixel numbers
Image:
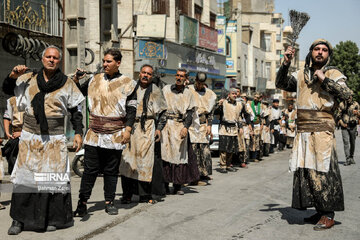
[
  {"x": 151, "y": 49},
  {"x": 229, "y": 64},
  {"x": 220, "y": 50}
]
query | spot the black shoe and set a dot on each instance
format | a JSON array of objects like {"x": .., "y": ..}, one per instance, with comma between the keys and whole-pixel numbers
[
  {"x": 231, "y": 169},
  {"x": 81, "y": 209},
  {"x": 223, "y": 170},
  {"x": 313, "y": 219},
  {"x": 347, "y": 164},
  {"x": 16, "y": 228},
  {"x": 352, "y": 161},
  {"x": 111, "y": 209},
  {"x": 51, "y": 228},
  {"x": 125, "y": 200}
]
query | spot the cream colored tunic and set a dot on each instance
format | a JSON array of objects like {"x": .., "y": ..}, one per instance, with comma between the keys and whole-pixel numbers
[
  {"x": 265, "y": 133},
  {"x": 173, "y": 147},
  {"x": 13, "y": 113},
  {"x": 43, "y": 153},
  {"x": 232, "y": 114},
  {"x": 313, "y": 150},
  {"x": 107, "y": 98},
  {"x": 291, "y": 122},
  {"x": 205, "y": 103},
  {"x": 138, "y": 158}
]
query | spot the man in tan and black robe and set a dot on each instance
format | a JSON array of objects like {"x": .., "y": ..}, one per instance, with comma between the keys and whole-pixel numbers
[
  {"x": 112, "y": 109},
  {"x": 317, "y": 181},
  {"x": 255, "y": 109},
  {"x": 139, "y": 168},
  {"x": 230, "y": 115},
  {"x": 290, "y": 112},
  {"x": 200, "y": 128},
  {"x": 180, "y": 165},
  {"x": 13, "y": 121},
  {"x": 46, "y": 97}
]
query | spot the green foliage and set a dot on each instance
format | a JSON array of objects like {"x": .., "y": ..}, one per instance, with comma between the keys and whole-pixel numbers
[{"x": 346, "y": 57}]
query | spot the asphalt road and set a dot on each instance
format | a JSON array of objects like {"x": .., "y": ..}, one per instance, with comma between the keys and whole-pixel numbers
[{"x": 251, "y": 203}]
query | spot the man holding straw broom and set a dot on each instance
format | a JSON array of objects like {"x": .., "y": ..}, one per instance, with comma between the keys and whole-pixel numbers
[{"x": 317, "y": 181}]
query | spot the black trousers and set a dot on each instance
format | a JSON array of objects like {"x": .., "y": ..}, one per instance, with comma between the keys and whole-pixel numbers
[
  {"x": 276, "y": 140},
  {"x": 100, "y": 160},
  {"x": 132, "y": 186}
]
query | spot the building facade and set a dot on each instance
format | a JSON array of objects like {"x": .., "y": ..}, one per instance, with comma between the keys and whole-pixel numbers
[{"x": 26, "y": 28}]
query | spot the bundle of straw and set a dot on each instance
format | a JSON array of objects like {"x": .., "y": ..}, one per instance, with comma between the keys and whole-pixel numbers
[{"x": 297, "y": 20}]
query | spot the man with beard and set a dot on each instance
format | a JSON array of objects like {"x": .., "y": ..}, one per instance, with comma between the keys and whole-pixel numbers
[
  {"x": 256, "y": 126},
  {"x": 45, "y": 97},
  {"x": 200, "y": 128},
  {"x": 317, "y": 181},
  {"x": 290, "y": 112},
  {"x": 243, "y": 131},
  {"x": 230, "y": 113},
  {"x": 246, "y": 130},
  {"x": 265, "y": 134},
  {"x": 140, "y": 167},
  {"x": 13, "y": 121},
  {"x": 179, "y": 160},
  {"x": 112, "y": 109},
  {"x": 275, "y": 124},
  {"x": 348, "y": 120}
]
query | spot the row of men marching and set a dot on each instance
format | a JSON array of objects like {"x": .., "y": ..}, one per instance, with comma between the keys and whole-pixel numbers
[
  {"x": 251, "y": 129},
  {"x": 148, "y": 133}
]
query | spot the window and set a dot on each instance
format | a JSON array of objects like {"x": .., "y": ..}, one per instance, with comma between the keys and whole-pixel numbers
[
  {"x": 228, "y": 47},
  {"x": 256, "y": 68},
  {"x": 183, "y": 7},
  {"x": 267, "y": 70},
  {"x": 267, "y": 41},
  {"x": 160, "y": 7},
  {"x": 245, "y": 65},
  {"x": 278, "y": 37},
  {"x": 262, "y": 69},
  {"x": 278, "y": 52},
  {"x": 212, "y": 20},
  {"x": 198, "y": 12}
]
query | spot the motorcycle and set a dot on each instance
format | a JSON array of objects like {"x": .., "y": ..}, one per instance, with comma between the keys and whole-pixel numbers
[{"x": 77, "y": 164}]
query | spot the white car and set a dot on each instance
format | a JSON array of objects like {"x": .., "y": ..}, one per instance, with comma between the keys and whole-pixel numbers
[{"x": 214, "y": 143}]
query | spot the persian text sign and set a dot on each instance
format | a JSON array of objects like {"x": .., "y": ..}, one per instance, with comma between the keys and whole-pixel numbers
[
  {"x": 208, "y": 37},
  {"x": 188, "y": 32},
  {"x": 151, "y": 49}
]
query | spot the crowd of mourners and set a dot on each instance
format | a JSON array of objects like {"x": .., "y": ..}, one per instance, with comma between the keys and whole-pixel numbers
[{"x": 149, "y": 133}]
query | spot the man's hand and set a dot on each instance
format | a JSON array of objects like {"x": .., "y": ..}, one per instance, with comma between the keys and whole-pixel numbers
[
  {"x": 289, "y": 55},
  {"x": 76, "y": 77},
  {"x": 8, "y": 135},
  {"x": 241, "y": 131},
  {"x": 208, "y": 130},
  {"x": 272, "y": 130},
  {"x": 18, "y": 71},
  {"x": 77, "y": 142},
  {"x": 320, "y": 75},
  {"x": 16, "y": 134},
  {"x": 221, "y": 101},
  {"x": 125, "y": 136},
  {"x": 183, "y": 132},
  {"x": 157, "y": 135}
]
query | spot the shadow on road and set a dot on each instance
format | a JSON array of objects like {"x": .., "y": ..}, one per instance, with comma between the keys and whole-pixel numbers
[{"x": 291, "y": 215}]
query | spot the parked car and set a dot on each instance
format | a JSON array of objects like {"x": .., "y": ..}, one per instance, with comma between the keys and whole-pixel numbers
[{"x": 214, "y": 143}]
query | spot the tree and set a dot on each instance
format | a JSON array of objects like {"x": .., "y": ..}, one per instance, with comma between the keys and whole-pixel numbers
[{"x": 346, "y": 57}]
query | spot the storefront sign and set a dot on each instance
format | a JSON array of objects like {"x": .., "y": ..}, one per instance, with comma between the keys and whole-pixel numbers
[
  {"x": 151, "y": 49},
  {"x": 208, "y": 37},
  {"x": 229, "y": 64},
  {"x": 188, "y": 32}
]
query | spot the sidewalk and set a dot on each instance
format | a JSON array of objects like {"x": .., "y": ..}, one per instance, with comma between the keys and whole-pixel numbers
[{"x": 97, "y": 220}]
